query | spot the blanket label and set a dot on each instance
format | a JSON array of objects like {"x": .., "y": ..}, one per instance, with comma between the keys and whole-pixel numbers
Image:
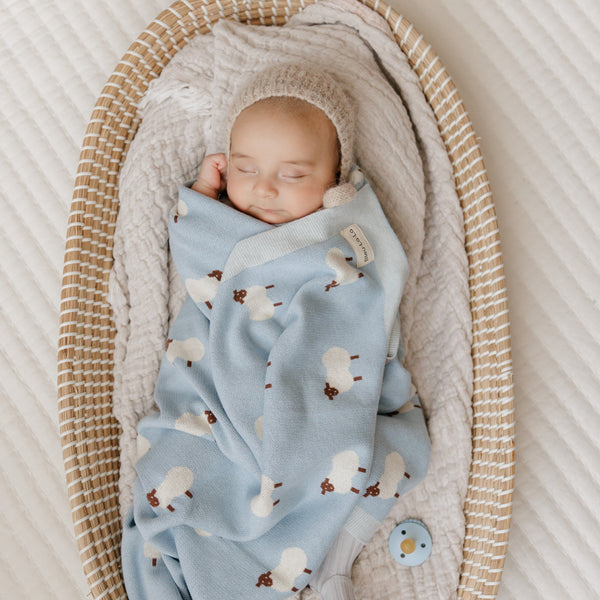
[{"x": 354, "y": 235}]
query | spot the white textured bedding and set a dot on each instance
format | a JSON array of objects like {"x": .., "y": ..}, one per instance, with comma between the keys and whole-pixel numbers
[{"x": 530, "y": 78}]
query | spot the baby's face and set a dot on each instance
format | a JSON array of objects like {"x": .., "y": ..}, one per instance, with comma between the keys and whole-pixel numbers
[{"x": 282, "y": 160}]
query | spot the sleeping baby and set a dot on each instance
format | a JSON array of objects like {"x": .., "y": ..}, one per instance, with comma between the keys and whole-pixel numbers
[{"x": 287, "y": 426}]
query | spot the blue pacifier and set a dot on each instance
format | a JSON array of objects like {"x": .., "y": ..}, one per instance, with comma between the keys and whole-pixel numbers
[{"x": 410, "y": 543}]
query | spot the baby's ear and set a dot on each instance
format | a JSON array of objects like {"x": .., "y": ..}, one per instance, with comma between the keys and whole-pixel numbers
[{"x": 338, "y": 195}]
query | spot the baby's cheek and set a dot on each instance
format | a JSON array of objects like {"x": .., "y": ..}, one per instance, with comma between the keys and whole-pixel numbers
[{"x": 235, "y": 194}]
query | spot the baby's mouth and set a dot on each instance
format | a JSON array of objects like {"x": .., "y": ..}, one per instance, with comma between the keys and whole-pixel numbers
[
  {"x": 265, "y": 209},
  {"x": 268, "y": 215}
]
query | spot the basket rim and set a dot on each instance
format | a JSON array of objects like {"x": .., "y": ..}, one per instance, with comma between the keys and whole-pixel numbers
[{"x": 86, "y": 329}]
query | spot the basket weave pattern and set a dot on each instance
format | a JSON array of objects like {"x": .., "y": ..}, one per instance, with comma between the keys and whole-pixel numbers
[{"x": 89, "y": 431}]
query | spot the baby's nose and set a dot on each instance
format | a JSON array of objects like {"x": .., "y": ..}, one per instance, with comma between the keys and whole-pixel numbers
[{"x": 265, "y": 187}]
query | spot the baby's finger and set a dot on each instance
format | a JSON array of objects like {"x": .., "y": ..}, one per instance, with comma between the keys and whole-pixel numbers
[{"x": 221, "y": 164}]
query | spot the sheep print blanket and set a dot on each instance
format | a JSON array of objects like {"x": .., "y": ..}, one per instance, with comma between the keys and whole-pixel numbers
[{"x": 284, "y": 411}]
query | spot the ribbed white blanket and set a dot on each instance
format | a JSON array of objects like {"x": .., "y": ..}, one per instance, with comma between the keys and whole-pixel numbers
[{"x": 399, "y": 148}]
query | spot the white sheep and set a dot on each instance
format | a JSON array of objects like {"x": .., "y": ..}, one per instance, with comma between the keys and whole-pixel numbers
[
  {"x": 262, "y": 505},
  {"x": 339, "y": 379},
  {"x": 255, "y": 298},
  {"x": 152, "y": 553},
  {"x": 345, "y": 273},
  {"x": 142, "y": 446},
  {"x": 259, "y": 427},
  {"x": 203, "y": 533},
  {"x": 407, "y": 407},
  {"x": 189, "y": 350},
  {"x": 180, "y": 210},
  {"x": 393, "y": 473},
  {"x": 282, "y": 578},
  {"x": 205, "y": 289},
  {"x": 196, "y": 424},
  {"x": 345, "y": 465},
  {"x": 177, "y": 483}
]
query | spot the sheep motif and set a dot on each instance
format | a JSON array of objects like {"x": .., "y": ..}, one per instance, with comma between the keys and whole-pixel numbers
[
  {"x": 268, "y": 386},
  {"x": 282, "y": 578},
  {"x": 262, "y": 505},
  {"x": 393, "y": 473},
  {"x": 180, "y": 211},
  {"x": 142, "y": 446},
  {"x": 344, "y": 273},
  {"x": 261, "y": 307},
  {"x": 205, "y": 289},
  {"x": 259, "y": 424},
  {"x": 345, "y": 465},
  {"x": 177, "y": 483},
  {"x": 259, "y": 427},
  {"x": 339, "y": 379},
  {"x": 152, "y": 553},
  {"x": 196, "y": 424},
  {"x": 203, "y": 533},
  {"x": 190, "y": 350},
  {"x": 406, "y": 407}
]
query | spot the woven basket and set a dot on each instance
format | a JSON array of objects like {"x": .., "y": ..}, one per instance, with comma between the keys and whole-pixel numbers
[{"x": 89, "y": 431}]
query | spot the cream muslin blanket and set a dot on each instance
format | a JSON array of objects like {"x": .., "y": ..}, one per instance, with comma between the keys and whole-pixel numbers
[{"x": 400, "y": 149}]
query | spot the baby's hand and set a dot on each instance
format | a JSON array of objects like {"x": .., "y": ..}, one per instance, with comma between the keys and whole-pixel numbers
[{"x": 212, "y": 178}]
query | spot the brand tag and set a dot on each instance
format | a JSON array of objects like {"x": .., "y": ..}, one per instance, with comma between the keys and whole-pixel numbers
[{"x": 354, "y": 235}]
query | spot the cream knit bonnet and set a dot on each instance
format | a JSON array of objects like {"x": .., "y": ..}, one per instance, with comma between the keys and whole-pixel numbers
[{"x": 311, "y": 85}]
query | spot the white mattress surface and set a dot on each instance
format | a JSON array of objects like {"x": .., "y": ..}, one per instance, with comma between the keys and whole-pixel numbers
[{"x": 529, "y": 76}]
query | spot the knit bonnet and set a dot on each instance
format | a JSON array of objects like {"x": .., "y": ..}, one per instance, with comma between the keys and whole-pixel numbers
[{"x": 309, "y": 84}]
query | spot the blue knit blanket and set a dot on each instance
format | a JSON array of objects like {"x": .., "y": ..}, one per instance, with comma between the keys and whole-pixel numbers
[{"x": 284, "y": 411}]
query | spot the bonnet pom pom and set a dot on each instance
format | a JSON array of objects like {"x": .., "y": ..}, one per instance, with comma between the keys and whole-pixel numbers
[{"x": 338, "y": 195}]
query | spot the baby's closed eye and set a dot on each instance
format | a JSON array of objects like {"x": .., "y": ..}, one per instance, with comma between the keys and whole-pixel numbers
[
  {"x": 246, "y": 170},
  {"x": 293, "y": 175}
]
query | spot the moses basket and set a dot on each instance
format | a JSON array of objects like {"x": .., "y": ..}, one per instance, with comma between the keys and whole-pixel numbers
[{"x": 90, "y": 432}]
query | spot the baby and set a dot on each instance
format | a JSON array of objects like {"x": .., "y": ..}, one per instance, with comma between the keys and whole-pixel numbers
[
  {"x": 287, "y": 425},
  {"x": 285, "y": 155}
]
